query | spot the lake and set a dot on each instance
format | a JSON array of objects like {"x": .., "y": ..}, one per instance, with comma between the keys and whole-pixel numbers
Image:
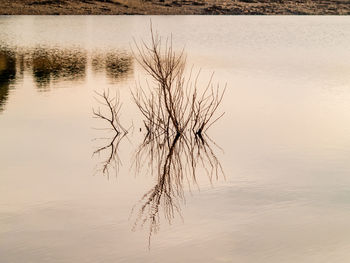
[{"x": 272, "y": 183}]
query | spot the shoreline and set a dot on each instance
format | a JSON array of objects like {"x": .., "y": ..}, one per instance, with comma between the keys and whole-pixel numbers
[{"x": 174, "y": 7}]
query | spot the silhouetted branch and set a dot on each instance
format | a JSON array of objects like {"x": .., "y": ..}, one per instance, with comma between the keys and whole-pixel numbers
[
  {"x": 113, "y": 106},
  {"x": 174, "y": 102}
]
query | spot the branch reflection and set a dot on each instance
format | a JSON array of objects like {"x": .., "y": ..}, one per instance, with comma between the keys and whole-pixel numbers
[
  {"x": 176, "y": 160},
  {"x": 109, "y": 150}
]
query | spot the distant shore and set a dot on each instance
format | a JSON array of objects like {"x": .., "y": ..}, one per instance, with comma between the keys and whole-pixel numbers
[{"x": 174, "y": 7}]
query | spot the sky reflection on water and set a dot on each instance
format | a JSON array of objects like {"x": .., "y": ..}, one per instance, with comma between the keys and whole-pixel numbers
[{"x": 285, "y": 139}]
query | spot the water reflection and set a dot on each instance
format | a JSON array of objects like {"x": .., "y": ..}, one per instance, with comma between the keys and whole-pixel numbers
[
  {"x": 176, "y": 160},
  {"x": 116, "y": 65},
  {"x": 7, "y": 74},
  {"x": 176, "y": 112},
  {"x": 50, "y": 66},
  {"x": 109, "y": 113},
  {"x": 111, "y": 160},
  {"x": 56, "y": 64}
]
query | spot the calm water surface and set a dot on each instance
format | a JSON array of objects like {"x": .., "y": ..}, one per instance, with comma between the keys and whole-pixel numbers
[{"x": 283, "y": 143}]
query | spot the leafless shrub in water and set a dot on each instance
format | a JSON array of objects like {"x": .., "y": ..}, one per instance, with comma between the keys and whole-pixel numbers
[
  {"x": 175, "y": 102},
  {"x": 176, "y": 117},
  {"x": 171, "y": 95},
  {"x": 113, "y": 106},
  {"x": 205, "y": 107}
]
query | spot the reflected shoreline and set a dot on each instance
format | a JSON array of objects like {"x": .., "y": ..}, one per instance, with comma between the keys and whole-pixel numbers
[
  {"x": 7, "y": 74},
  {"x": 50, "y": 66}
]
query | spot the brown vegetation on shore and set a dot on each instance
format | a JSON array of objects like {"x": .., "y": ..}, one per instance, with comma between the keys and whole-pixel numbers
[{"x": 174, "y": 7}]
